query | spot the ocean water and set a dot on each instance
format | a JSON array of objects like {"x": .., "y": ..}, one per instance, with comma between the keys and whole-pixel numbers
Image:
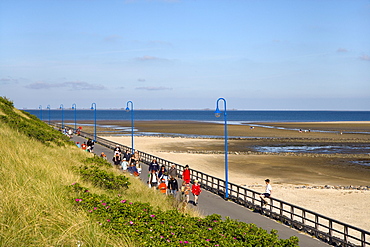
[{"x": 204, "y": 115}]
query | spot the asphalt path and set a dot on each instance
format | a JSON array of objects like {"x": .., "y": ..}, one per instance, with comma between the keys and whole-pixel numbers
[{"x": 210, "y": 203}]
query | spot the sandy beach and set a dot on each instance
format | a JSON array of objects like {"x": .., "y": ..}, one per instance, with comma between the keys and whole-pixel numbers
[{"x": 293, "y": 175}]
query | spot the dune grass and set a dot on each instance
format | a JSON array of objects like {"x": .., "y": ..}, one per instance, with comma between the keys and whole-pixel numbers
[{"x": 35, "y": 206}]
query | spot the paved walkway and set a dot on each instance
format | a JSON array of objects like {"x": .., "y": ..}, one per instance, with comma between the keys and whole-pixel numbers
[{"x": 210, "y": 203}]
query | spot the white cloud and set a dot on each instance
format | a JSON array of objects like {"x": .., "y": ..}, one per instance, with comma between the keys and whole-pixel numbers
[
  {"x": 148, "y": 58},
  {"x": 8, "y": 80},
  {"x": 71, "y": 85},
  {"x": 365, "y": 57},
  {"x": 342, "y": 50},
  {"x": 153, "y": 88}
]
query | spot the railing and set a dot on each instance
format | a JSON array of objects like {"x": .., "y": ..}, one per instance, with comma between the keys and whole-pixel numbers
[{"x": 324, "y": 228}]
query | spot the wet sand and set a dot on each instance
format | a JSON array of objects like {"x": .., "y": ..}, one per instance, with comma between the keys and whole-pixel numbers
[{"x": 293, "y": 175}]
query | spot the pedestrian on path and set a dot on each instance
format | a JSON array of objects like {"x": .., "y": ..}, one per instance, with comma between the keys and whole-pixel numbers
[
  {"x": 153, "y": 179},
  {"x": 195, "y": 189},
  {"x": 186, "y": 174},
  {"x": 267, "y": 193},
  {"x": 172, "y": 171},
  {"x": 163, "y": 187},
  {"x": 153, "y": 166},
  {"x": 185, "y": 192},
  {"x": 173, "y": 186}
]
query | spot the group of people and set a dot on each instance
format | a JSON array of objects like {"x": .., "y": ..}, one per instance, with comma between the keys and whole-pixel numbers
[
  {"x": 69, "y": 132},
  {"x": 126, "y": 161},
  {"x": 159, "y": 178},
  {"x": 86, "y": 146},
  {"x": 166, "y": 182}
]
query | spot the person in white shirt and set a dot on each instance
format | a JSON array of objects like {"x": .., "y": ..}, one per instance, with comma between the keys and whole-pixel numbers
[{"x": 267, "y": 193}]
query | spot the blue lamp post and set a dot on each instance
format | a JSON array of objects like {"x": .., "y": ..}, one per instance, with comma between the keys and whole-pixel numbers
[
  {"x": 40, "y": 107},
  {"x": 74, "y": 107},
  {"x": 48, "y": 107},
  {"x": 61, "y": 107},
  {"x": 93, "y": 107},
  {"x": 218, "y": 114},
  {"x": 132, "y": 123}
]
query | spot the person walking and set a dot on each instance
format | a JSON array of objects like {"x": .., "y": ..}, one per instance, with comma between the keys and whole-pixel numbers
[
  {"x": 153, "y": 166},
  {"x": 267, "y": 194},
  {"x": 186, "y": 174},
  {"x": 173, "y": 186},
  {"x": 172, "y": 171},
  {"x": 185, "y": 191},
  {"x": 163, "y": 187},
  {"x": 195, "y": 189},
  {"x": 153, "y": 179}
]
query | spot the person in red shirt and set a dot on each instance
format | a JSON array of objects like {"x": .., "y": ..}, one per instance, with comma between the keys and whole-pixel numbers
[
  {"x": 195, "y": 189},
  {"x": 84, "y": 146},
  {"x": 163, "y": 187},
  {"x": 186, "y": 174}
]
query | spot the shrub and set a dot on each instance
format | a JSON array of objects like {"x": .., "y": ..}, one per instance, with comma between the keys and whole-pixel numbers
[
  {"x": 93, "y": 171},
  {"x": 153, "y": 227}
]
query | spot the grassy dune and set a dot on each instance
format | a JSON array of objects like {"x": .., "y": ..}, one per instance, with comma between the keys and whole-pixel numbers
[{"x": 35, "y": 205}]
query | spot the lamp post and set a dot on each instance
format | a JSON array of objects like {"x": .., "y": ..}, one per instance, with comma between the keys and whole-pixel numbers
[
  {"x": 74, "y": 107},
  {"x": 93, "y": 107},
  {"x": 218, "y": 114},
  {"x": 61, "y": 107},
  {"x": 48, "y": 107},
  {"x": 40, "y": 107},
  {"x": 132, "y": 123}
]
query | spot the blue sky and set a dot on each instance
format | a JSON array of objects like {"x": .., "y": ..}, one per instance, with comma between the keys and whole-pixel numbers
[{"x": 185, "y": 54}]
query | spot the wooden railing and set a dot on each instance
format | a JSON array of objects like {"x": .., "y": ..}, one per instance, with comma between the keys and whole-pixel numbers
[{"x": 324, "y": 228}]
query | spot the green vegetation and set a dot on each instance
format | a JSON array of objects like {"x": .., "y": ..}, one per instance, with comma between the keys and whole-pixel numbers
[
  {"x": 29, "y": 124},
  {"x": 94, "y": 171},
  {"x": 51, "y": 195}
]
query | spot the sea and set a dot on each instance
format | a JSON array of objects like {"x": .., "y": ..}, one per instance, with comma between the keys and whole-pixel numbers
[{"x": 233, "y": 116}]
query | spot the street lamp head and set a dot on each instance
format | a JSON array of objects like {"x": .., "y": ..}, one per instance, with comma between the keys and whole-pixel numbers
[
  {"x": 218, "y": 112},
  {"x": 127, "y": 109}
]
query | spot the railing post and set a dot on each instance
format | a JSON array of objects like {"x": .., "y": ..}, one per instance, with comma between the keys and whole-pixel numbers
[
  {"x": 316, "y": 225},
  {"x": 330, "y": 231},
  {"x": 346, "y": 234}
]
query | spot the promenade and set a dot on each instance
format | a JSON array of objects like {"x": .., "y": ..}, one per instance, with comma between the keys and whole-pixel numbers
[{"x": 210, "y": 203}]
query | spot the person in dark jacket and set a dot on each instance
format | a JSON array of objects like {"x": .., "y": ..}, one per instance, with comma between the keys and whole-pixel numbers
[
  {"x": 173, "y": 186},
  {"x": 153, "y": 166}
]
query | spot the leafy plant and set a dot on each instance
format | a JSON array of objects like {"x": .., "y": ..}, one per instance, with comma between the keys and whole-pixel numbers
[
  {"x": 93, "y": 171},
  {"x": 154, "y": 227}
]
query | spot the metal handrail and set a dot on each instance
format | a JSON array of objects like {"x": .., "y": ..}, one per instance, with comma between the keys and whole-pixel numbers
[{"x": 324, "y": 228}]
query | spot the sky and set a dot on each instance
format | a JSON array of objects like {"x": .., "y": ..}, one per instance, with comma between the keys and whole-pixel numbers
[{"x": 185, "y": 54}]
